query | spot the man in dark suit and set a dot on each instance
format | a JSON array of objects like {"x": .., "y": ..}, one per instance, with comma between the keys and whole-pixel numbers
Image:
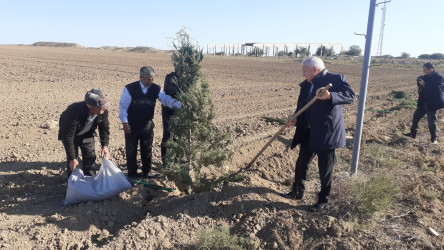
[
  {"x": 77, "y": 126},
  {"x": 320, "y": 129},
  {"x": 430, "y": 99}
]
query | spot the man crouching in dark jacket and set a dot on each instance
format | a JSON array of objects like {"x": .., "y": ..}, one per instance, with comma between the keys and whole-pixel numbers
[
  {"x": 77, "y": 126},
  {"x": 320, "y": 129}
]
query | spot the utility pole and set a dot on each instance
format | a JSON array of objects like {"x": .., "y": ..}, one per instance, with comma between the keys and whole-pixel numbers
[
  {"x": 381, "y": 33},
  {"x": 363, "y": 90}
]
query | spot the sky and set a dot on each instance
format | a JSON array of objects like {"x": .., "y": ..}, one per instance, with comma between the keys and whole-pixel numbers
[{"x": 410, "y": 26}]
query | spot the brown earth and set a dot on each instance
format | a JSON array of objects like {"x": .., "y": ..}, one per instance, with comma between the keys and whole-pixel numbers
[{"x": 38, "y": 83}]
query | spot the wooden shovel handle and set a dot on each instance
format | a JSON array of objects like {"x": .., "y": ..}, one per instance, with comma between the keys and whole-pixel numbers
[
  {"x": 281, "y": 130},
  {"x": 285, "y": 126}
]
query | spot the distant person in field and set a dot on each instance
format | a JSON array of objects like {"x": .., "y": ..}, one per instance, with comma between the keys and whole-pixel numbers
[
  {"x": 430, "y": 99},
  {"x": 77, "y": 129},
  {"x": 320, "y": 129},
  {"x": 171, "y": 88},
  {"x": 137, "y": 104}
]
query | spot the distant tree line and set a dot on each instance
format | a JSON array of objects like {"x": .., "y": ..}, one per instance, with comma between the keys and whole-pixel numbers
[
  {"x": 405, "y": 55},
  {"x": 436, "y": 56},
  {"x": 354, "y": 50}
]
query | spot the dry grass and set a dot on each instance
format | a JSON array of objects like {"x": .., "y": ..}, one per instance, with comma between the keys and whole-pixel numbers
[
  {"x": 378, "y": 193},
  {"x": 220, "y": 238}
]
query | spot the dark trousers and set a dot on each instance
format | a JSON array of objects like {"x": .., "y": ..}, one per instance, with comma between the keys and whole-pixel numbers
[
  {"x": 145, "y": 136},
  {"x": 431, "y": 120},
  {"x": 86, "y": 146},
  {"x": 326, "y": 160},
  {"x": 166, "y": 134}
]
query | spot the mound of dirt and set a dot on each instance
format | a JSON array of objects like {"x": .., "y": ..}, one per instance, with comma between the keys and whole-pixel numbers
[
  {"x": 112, "y": 48},
  {"x": 141, "y": 49}
]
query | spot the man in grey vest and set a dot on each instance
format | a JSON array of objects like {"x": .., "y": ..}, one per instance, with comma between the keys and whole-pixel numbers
[{"x": 137, "y": 104}]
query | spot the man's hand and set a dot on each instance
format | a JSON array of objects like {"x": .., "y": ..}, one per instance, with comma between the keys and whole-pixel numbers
[
  {"x": 126, "y": 128},
  {"x": 291, "y": 123},
  {"x": 325, "y": 95},
  {"x": 73, "y": 164},
  {"x": 421, "y": 81},
  {"x": 105, "y": 152}
]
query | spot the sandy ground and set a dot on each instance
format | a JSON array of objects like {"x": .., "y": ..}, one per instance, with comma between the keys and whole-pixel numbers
[{"x": 38, "y": 83}]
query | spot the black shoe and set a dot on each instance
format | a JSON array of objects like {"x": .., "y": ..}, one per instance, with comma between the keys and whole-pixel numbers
[
  {"x": 135, "y": 176},
  {"x": 319, "y": 206},
  {"x": 87, "y": 173},
  {"x": 149, "y": 198},
  {"x": 413, "y": 135},
  {"x": 149, "y": 175},
  {"x": 293, "y": 195}
]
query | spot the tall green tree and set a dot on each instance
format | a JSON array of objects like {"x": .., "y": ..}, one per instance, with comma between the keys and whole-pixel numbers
[
  {"x": 301, "y": 52},
  {"x": 186, "y": 60},
  {"x": 323, "y": 51},
  {"x": 405, "y": 55},
  {"x": 197, "y": 142},
  {"x": 354, "y": 50}
]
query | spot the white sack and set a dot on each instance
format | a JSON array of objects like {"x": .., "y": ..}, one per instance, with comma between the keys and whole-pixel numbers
[{"x": 107, "y": 183}]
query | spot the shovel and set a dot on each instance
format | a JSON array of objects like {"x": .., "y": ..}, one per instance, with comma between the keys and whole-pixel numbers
[{"x": 280, "y": 131}]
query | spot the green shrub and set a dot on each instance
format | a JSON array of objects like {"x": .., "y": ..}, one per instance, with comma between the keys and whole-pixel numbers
[
  {"x": 378, "y": 193},
  {"x": 398, "y": 94},
  {"x": 220, "y": 238},
  {"x": 406, "y": 102}
]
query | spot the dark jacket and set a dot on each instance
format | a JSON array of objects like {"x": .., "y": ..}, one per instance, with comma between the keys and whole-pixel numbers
[
  {"x": 432, "y": 93},
  {"x": 171, "y": 88},
  {"x": 325, "y": 118},
  {"x": 73, "y": 120}
]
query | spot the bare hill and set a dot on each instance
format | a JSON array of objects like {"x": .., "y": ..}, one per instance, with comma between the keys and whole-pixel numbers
[{"x": 57, "y": 44}]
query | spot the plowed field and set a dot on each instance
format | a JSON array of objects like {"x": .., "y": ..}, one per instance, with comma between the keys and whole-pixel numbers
[{"x": 38, "y": 83}]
